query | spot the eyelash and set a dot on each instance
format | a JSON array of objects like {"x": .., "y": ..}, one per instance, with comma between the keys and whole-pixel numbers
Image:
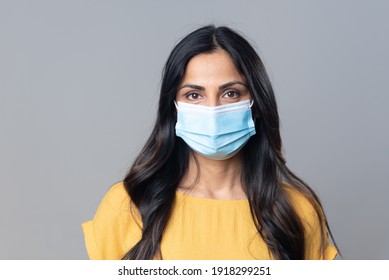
[
  {"x": 190, "y": 95},
  {"x": 236, "y": 92}
]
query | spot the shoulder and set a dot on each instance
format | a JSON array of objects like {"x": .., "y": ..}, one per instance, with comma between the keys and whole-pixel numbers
[
  {"x": 303, "y": 206},
  {"x": 317, "y": 244},
  {"x": 305, "y": 210},
  {"x": 117, "y": 198},
  {"x": 116, "y": 205}
]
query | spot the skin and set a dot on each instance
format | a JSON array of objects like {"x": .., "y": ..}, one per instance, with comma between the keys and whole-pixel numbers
[{"x": 212, "y": 79}]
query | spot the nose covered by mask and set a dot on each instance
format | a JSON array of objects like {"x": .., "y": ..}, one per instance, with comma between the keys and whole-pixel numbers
[{"x": 215, "y": 132}]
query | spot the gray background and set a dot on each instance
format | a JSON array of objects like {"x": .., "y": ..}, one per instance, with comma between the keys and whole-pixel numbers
[{"x": 79, "y": 84}]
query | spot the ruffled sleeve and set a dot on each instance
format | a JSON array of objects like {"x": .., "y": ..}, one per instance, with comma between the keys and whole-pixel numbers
[
  {"x": 90, "y": 241},
  {"x": 107, "y": 236}
]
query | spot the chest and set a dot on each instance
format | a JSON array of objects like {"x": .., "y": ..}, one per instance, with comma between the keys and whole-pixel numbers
[{"x": 197, "y": 231}]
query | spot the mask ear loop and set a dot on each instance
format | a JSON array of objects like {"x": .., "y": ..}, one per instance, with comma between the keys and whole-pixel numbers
[
  {"x": 175, "y": 103},
  {"x": 251, "y": 105}
]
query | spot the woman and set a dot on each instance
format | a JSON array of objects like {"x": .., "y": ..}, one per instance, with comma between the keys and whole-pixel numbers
[{"x": 211, "y": 181}]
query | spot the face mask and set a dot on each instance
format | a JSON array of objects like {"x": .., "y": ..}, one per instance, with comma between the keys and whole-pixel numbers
[{"x": 215, "y": 132}]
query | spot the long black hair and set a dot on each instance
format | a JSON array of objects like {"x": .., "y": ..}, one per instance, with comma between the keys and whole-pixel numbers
[{"x": 157, "y": 171}]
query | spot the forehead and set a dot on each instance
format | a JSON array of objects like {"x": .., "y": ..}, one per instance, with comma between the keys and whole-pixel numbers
[{"x": 215, "y": 67}]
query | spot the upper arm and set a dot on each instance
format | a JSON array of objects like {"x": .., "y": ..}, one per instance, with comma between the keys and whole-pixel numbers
[
  {"x": 315, "y": 230},
  {"x": 106, "y": 236}
]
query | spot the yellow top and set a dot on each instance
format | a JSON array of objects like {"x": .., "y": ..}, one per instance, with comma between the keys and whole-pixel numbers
[{"x": 199, "y": 228}]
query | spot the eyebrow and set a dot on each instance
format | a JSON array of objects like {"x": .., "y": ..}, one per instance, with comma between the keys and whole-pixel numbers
[{"x": 220, "y": 87}]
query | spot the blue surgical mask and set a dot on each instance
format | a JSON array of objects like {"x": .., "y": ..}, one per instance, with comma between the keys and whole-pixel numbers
[{"x": 215, "y": 132}]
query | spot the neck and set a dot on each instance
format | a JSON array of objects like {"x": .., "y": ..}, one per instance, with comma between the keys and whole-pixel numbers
[{"x": 215, "y": 179}]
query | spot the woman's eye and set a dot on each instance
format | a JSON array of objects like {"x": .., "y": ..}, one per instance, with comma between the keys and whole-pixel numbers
[
  {"x": 193, "y": 96},
  {"x": 232, "y": 94}
]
